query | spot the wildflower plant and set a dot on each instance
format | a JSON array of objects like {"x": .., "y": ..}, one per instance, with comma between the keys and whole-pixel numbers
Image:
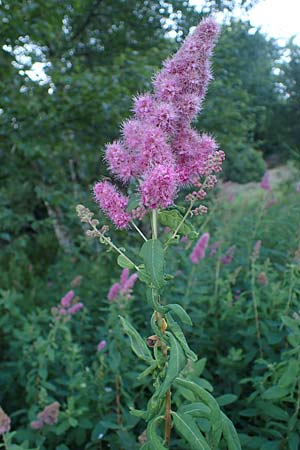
[{"x": 160, "y": 154}]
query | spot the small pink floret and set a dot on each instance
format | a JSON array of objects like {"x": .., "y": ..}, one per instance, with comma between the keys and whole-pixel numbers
[{"x": 101, "y": 345}]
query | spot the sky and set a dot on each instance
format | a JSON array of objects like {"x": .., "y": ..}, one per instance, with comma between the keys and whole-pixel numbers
[{"x": 276, "y": 18}]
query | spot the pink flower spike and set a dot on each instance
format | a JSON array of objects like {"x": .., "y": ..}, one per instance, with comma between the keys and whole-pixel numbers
[
  {"x": 112, "y": 203},
  {"x": 228, "y": 257},
  {"x": 75, "y": 308},
  {"x": 101, "y": 345},
  {"x": 130, "y": 282},
  {"x": 124, "y": 276},
  {"x": 49, "y": 415},
  {"x": 265, "y": 182},
  {"x": 67, "y": 299},
  {"x": 4, "y": 422},
  {"x": 198, "y": 252},
  {"x": 114, "y": 292}
]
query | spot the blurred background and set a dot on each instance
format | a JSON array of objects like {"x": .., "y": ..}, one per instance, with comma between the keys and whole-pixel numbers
[{"x": 69, "y": 70}]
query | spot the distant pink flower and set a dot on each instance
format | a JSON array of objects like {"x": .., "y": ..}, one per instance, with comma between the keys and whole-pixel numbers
[
  {"x": 128, "y": 285},
  {"x": 214, "y": 248},
  {"x": 114, "y": 292},
  {"x": 231, "y": 197},
  {"x": 67, "y": 299},
  {"x": 113, "y": 203},
  {"x": 37, "y": 424},
  {"x": 228, "y": 256},
  {"x": 184, "y": 239},
  {"x": 4, "y": 422},
  {"x": 75, "y": 308},
  {"x": 256, "y": 249},
  {"x": 48, "y": 416},
  {"x": 101, "y": 345},
  {"x": 298, "y": 187},
  {"x": 159, "y": 187},
  {"x": 124, "y": 276},
  {"x": 198, "y": 252},
  {"x": 125, "y": 286},
  {"x": 265, "y": 182}
]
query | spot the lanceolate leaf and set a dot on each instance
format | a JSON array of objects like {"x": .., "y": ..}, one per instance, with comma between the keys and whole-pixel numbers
[
  {"x": 152, "y": 253},
  {"x": 138, "y": 345},
  {"x": 230, "y": 434},
  {"x": 154, "y": 440},
  {"x": 196, "y": 409},
  {"x": 188, "y": 429},
  {"x": 124, "y": 262},
  {"x": 180, "y": 313},
  {"x": 208, "y": 399},
  {"x": 178, "y": 333},
  {"x": 176, "y": 363}
]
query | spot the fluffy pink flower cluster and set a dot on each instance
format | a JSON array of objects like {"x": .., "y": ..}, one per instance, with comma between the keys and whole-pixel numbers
[
  {"x": 198, "y": 252},
  {"x": 48, "y": 416},
  {"x": 123, "y": 288},
  {"x": 67, "y": 306},
  {"x": 158, "y": 147},
  {"x": 4, "y": 422}
]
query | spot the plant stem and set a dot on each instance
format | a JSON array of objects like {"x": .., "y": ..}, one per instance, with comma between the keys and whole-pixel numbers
[
  {"x": 154, "y": 224},
  {"x": 118, "y": 403},
  {"x": 138, "y": 230},
  {"x": 181, "y": 223},
  {"x": 168, "y": 418},
  {"x": 258, "y": 335},
  {"x": 109, "y": 242},
  {"x": 190, "y": 282}
]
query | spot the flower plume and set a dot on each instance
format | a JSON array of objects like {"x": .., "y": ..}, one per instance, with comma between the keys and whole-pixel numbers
[{"x": 159, "y": 152}]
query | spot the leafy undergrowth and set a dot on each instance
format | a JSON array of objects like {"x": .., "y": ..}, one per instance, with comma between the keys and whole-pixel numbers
[{"x": 243, "y": 298}]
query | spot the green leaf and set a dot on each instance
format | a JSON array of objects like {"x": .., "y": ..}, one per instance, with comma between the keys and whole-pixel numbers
[
  {"x": 154, "y": 440},
  {"x": 144, "y": 276},
  {"x": 188, "y": 429},
  {"x": 138, "y": 345},
  {"x": 152, "y": 253},
  {"x": 178, "y": 333},
  {"x": 154, "y": 406},
  {"x": 290, "y": 374},
  {"x": 230, "y": 434},
  {"x": 196, "y": 409},
  {"x": 208, "y": 399},
  {"x": 226, "y": 399},
  {"x": 176, "y": 363},
  {"x": 291, "y": 323},
  {"x": 180, "y": 313},
  {"x": 294, "y": 441},
  {"x": 124, "y": 262},
  {"x": 276, "y": 392},
  {"x": 172, "y": 218}
]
